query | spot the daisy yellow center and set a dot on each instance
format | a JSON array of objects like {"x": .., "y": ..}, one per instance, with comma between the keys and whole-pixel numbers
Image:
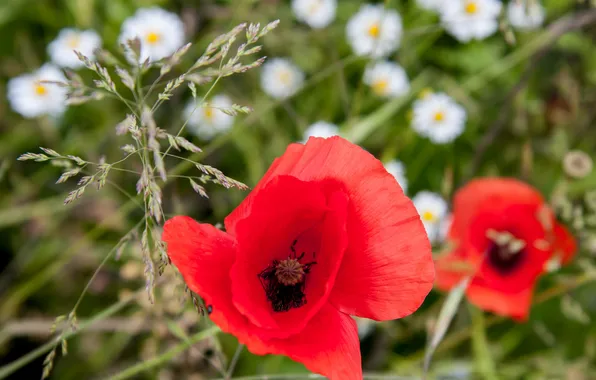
[
  {"x": 471, "y": 7},
  {"x": 40, "y": 89},
  {"x": 153, "y": 38},
  {"x": 380, "y": 86},
  {"x": 439, "y": 116},
  {"x": 208, "y": 112},
  {"x": 284, "y": 77},
  {"x": 428, "y": 216},
  {"x": 73, "y": 41},
  {"x": 374, "y": 30},
  {"x": 314, "y": 7}
]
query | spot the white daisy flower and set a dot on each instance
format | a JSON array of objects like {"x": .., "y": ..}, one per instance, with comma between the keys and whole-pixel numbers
[
  {"x": 387, "y": 79},
  {"x": 471, "y": 19},
  {"x": 31, "y": 98},
  {"x": 525, "y": 14},
  {"x": 444, "y": 227},
  {"x": 374, "y": 31},
  {"x": 397, "y": 169},
  {"x": 280, "y": 78},
  {"x": 62, "y": 49},
  {"x": 438, "y": 117},
  {"x": 432, "y": 209},
  {"x": 316, "y": 13},
  {"x": 161, "y": 32},
  {"x": 321, "y": 129},
  {"x": 207, "y": 121}
]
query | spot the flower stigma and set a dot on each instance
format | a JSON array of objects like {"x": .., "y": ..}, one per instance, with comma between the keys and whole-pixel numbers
[
  {"x": 289, "y": 272},
  {"x": 505, "y": 251},
  {"x": 284, "y": 281}
]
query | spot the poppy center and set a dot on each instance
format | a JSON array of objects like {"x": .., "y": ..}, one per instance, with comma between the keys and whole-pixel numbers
[
  {"x": 505, "y": 252},
  {"x": 374, "y": 30},
  {"x": 284, "y": 281}
]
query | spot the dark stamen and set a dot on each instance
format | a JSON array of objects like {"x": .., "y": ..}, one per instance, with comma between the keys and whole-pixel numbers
[
  {"x": 284, "y": 281},
  {"x": 503, "y": 259}
]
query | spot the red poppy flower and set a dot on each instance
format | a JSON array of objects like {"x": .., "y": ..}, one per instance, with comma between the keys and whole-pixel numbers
[
  {"x": 326, "y": 234},
  {"x": 503, "y": 234}
]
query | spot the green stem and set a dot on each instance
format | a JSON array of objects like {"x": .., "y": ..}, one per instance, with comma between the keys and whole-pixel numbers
[
  {"x": 166, "y": 356},
  {"x": 484, "y": 360},
  {"x": 362, "y": 129},
  {"x": 10, "y": 368}
]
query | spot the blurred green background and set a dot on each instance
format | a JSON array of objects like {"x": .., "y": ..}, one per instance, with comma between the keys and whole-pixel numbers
[{"x": 529, "y": 101}]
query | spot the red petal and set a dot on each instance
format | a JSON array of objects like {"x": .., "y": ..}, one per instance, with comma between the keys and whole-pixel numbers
[
  {"x": 284, "y": 211},
  {"x": 485, "y": 194},
  {"x": 514, "y": 305},
  {"x": 387, "y": 270},
  {"x": 521, "y": 221},
  {"x": 204, "y": 255},
  {"x": 565, "y": 244},
  {"x": 281, "y": 165},
  {"x": 452, "y": 268},
  {"x": 328, "y": 345}
]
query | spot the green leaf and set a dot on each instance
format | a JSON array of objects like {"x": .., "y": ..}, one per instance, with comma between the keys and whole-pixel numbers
[{"x": 445, "y": 316}]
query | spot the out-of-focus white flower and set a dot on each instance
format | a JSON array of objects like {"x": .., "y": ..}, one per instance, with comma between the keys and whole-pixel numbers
[
  {"x": 471, "y": 19},
  {"x": 161, "y": 32},
  {"x": 387, "y": 79},
  {"x": 431, "y": 5},
  {"x": 577, "y": 164},
  {"x": 444, "y": 228},
  {"x": 280, "y": 78},
  {"x": 365, "y": 326},
  {"x": 62, "y": 49},
  {"x": 525, "y": 14},
  {"x": 374, "y": 31},
  {"x": 30, "y": 97},
  {"x": 321, "y": 129},
  {"x": 397, "y": 169},
  {"x": 207, "y": 121},
  {"x": 432, "y": 209},
  {"x": 316, "y": 13},
  {"x": 438, "y": 117}
]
